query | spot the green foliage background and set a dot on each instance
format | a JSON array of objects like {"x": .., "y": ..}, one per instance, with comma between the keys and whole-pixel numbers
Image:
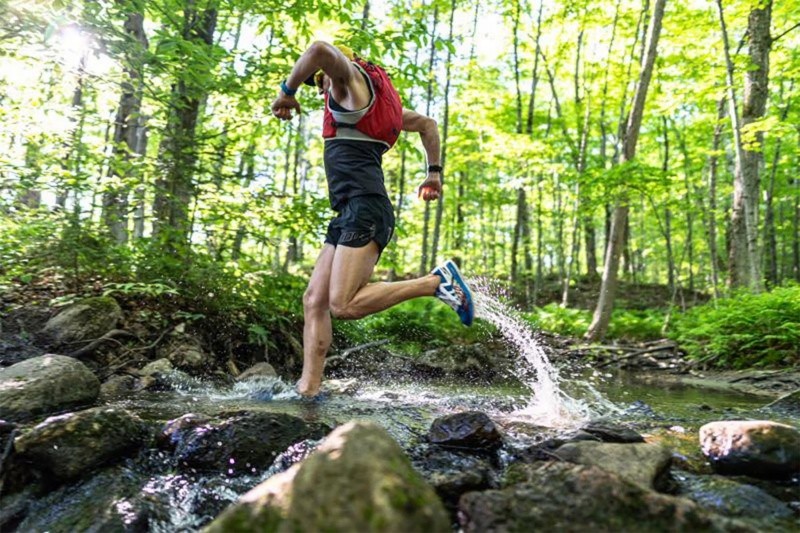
[{"x": 257, "y": 198}]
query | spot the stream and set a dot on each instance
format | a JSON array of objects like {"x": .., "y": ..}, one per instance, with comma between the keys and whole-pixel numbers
[{"x": 152, "y": 492}]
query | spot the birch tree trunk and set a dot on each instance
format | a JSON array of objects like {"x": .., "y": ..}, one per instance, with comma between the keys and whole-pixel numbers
[
  {"x": 744, "y": 263},
  {"x": 605, "y": 302}
]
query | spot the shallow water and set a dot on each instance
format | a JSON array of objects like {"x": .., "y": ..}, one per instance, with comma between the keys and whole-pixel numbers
[{"x": 548, "y": 401}]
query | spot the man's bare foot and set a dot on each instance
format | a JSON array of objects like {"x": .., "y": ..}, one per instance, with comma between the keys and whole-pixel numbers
[{"x": 306, "y": 389}]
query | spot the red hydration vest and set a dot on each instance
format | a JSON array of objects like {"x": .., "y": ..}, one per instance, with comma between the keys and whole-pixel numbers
[{"x": 384, "y": 120}]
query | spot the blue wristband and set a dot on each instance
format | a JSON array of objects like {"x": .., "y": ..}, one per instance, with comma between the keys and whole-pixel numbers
[{"x": 286, "y": 90}]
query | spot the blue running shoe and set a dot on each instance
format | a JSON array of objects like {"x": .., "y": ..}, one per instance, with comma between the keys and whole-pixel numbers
[{"x": 454, "y": 291}]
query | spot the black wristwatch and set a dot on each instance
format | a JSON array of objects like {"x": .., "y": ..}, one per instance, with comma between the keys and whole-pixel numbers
[{"x": 434, "y": 168}]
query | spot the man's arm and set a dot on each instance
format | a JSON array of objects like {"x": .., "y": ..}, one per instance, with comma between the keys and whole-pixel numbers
[
  {"x": 431, "y": 188},
  {"x": 344, "y": 84}
]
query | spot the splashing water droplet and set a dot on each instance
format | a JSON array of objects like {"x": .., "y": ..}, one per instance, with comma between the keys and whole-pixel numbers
[{"x": 549, "y": 406}]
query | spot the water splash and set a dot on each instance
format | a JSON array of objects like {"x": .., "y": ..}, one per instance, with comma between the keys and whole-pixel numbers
[{"x": 550, "y": 405}]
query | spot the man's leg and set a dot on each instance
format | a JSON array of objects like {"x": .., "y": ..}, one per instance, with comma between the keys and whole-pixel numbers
[
  {"x": 351, "y": 296},
  {"x": 317, "y": 328}
]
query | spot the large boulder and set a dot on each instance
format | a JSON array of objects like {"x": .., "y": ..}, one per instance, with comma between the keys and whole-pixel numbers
[
  {"x": 358, "y": 479},
  {"x": 560, "y": 496},
  {"x": 44, "y": 385},
  {"x": 240, "y": 441},
  {"x": 470, "y": 429},
  {"x": 86, "y": 319},
  {"x": 647, "y": 465},
  {"x": 758, "y": 448},
  {"x": 64, "y": 447}
]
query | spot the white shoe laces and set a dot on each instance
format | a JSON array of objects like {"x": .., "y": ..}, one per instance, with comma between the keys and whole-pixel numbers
[{"x": 455, "y": 298}]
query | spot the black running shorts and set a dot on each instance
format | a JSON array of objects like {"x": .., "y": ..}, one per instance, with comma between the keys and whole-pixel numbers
[{"x": 361, "y": 220}]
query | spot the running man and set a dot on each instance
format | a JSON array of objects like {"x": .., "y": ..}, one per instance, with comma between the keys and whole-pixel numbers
[{"x": 363, "y": 117}]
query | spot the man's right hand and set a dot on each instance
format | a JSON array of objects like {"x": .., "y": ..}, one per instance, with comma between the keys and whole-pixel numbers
[
  {"x": 431, "y": 188},
  {"x": 283, "y": 105}
]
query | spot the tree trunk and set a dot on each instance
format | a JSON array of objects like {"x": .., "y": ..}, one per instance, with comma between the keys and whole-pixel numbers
[
  {"x": 712, "y": 197},
  {"x": 423, "y": 266},
  {"x": 689, "y": 210},
  {"x": 539, "y": 241},
  {"x": 515, "y": 37},
  {"x": 770, "y": 240},
  {"x": 589, "y": 229},
  {"x": 668, "y": 213},
  {"x": 128, "y": 134},
  {"x": 744, "y": 260},
  {"x": 605, "y": 302},
  {"x": 535, "y": 76},
  {"x": 437, "y": 227},
  {"x": 179, "y": 150}
]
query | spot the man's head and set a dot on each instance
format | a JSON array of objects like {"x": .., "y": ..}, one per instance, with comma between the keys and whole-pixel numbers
[{"x": 318, "y": 78}]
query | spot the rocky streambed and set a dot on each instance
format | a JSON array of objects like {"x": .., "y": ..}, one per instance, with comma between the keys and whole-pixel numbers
[{"x": 164, "y": 447}]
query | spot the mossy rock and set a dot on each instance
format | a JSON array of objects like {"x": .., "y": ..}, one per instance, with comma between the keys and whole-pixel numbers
[
  {"x": 67, "y": 446},
  {"x": 560, "y": 496},
  {"x": 86, "y": 319},
  {"x": 45, "y": 384},
  {"x": 358, "y": 479}
]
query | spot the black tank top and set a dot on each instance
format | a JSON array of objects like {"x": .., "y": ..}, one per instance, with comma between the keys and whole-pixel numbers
[{"x": 353, "y": 168}]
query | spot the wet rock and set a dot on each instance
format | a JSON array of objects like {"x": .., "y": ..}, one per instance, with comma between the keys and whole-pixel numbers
[
  {"x": 45, "y": 384},
  {"x": 66, "y": 446},
  {"x": 546, "y": 449},
  {"x": 174, "y": 431},
  {"x": 111, "y": 501},
  {"x": 185, "y": 352},
  {"x": 470, "y": 429},
  {"x": 260, "y": 370},
  {"x": 788, "y": 403},
  {"x": 263, "y": 388},
  {"x": 86, "y": 319},
  {"x": 725, "y": 496},
  {"x": 607, "y": 432},
  {"x": 167, "y": 381},
  {"x": 117, "y": 386},
  {"x": 342, "y": 387},
  {"x": 452, "y": 473},
  {"x": 358, "y": 479},
  {"x": 559, "y": 496},
  {"x": 6, "y": 429},
  {"x": 13, "y": 508},
  {"x": 647, "y": 465},
  {"x": 757, "y": 448},
  {"x": 159, "y": 366},
  {"x": 241, "y": 441},
  {"x": 474, "y": 361}
]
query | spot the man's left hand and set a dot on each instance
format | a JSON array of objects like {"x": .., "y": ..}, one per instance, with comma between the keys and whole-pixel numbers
[{"x": 431, "y": 188}]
